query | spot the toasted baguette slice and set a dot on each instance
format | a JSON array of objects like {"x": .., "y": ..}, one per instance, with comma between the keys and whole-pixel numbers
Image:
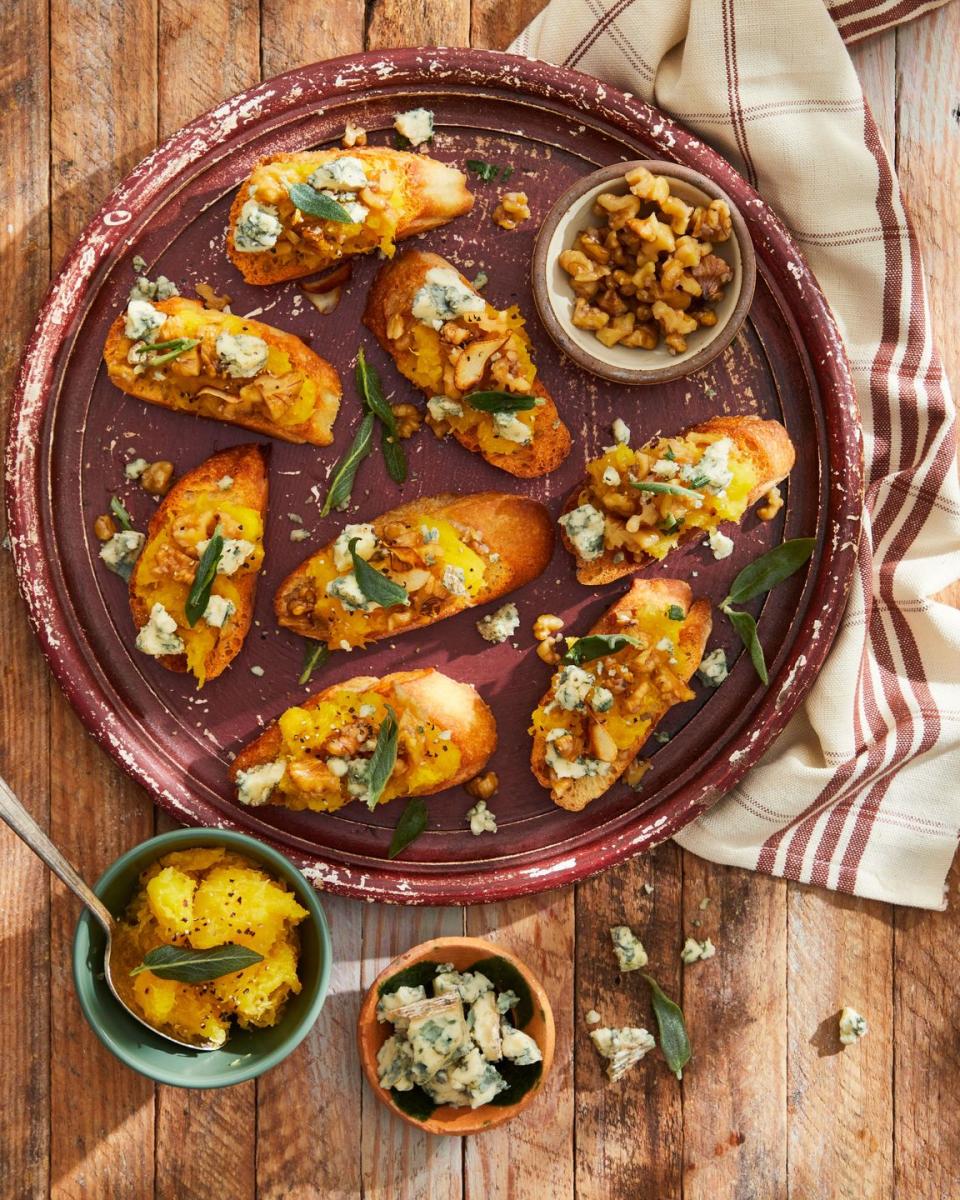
[
  {"x": 419, "y": 193},
  {"x": 426, "y": 357},
  {"x": 496, "y": 543},
  {"x": 294, "y": 397},
  {"x": 641, "y": 613},
  {"x": 762, "y": 456},
  {"x": 165, "y": 571},
  {"x": 446, "y": 734}
]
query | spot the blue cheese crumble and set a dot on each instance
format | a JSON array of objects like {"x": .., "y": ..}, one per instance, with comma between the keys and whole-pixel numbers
[
  {"x": 142, "y": 320},
  {"x": 234, "y": 554},
  {"x": 621, "y": 432},
  {"x": 255, "y": 787},
  {"x": 584, "y": 527},
  {"x": 122, "y": 551},
  {"x": 720, "y": 544},
  {"x": 366, "y": 544},
  {"x": 852, "y": 1026},
  {"x": 713, "y": 668},
  {"x": 219, "y": 610},
  {"x": 345, "y": 174},
  {"x": 241, "y": 355},
  {"x": 161, "y": 288},
  {"x": 257, "y": 229},
  {"x": 481, "y": 819},
  {"x": 694, "y": 951},
  {"x": 511, "y": 428},
  {"x": 497, "y": 626},
  {"x": 416, "y": 125},
  {"x": 347, "y": 590},
  {"x": 712, "y": 472},
  {"x": 454, "y": 581},
  {"x": 444, "y": 296},
  {"x": 159, "y": 636},
  {"x": 628, "y": 948},
  {"x": 622, "y": 1048}
]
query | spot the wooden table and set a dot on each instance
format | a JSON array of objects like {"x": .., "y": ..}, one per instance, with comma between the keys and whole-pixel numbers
[{"x": 769, "y": 1107}]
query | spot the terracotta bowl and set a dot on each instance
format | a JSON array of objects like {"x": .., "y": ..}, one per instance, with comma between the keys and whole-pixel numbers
[
  {"x": 465, "y": 953},
  {"x": 555, "y": 299}
]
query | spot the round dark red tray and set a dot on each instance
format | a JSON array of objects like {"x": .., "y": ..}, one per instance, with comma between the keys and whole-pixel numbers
[{"x": 71, "y": 433}]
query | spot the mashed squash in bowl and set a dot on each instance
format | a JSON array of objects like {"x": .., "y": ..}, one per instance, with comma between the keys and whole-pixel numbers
[{"x": 197, "y": 899}]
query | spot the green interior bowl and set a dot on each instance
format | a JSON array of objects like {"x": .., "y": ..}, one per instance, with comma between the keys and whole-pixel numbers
[{"x": 247, "y": 1053}]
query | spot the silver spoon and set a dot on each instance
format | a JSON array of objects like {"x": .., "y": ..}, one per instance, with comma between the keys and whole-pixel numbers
[{"x": 26, "y": 828}]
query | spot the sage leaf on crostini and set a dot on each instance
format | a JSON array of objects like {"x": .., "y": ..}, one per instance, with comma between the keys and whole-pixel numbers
[
  {"x": 172, "y": 348},
  {"x": 374, "y": 584},
  {"x": 770, "y": 569},
  {"x": 413, "y": 821},
  {"x": 206, "y": 572},
  {"x": 674, "y": 1041},
  {"x": 500, "y": 402},
  {"x": 596, "y": 645},
  {"x": 316, "y": 204},
  {"x": 664, "y": 489},
  {"x": 315, "y": 656},
  {"x": 383, "y": 759},
  {"x": 345, "y": 472},
  {"x": 746, "y": 627},
  {"x": 120, "y": 512},
  {"x": 186, "y": 965}
]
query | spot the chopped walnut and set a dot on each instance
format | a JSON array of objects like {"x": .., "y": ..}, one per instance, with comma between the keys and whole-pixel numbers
[
  {"x": 512, "y": 210},
  {"x": 772, "y": 503},
  {"x": 408, "y": 419},
  {"x": 587, "y": 317},
  {"x": 483, "y": 787},
  {"x": 712, "y": 273},
  {"x": 353, "y": 135}
]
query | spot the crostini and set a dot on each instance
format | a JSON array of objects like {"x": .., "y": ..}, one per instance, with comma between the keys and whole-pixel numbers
[
  {"x": 296, "y": 214},
  {"x": 613, "y": 687},
  {"x": 180, "y": 355},
  {"x": 192, "y": 588},
  {"x": 636, "y": 505},
  {"x": 415, "y": 565},
  {"x": 429, "y": 730},
  {"x": 472, "y": 362}
]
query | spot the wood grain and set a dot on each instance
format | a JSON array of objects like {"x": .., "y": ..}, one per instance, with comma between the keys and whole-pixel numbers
[
  {"x": 294, "y": 32},
  {"x": 629, "y": 1134},
  {"x": 418, "y": 23},
  {"x": 494, "y": 25},
  {"x": 532, "y": 1156},
  {"x": 24, "y": 681}
]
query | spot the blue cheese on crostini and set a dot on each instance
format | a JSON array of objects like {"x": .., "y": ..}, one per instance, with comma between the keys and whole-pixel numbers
[
  {"x": 234, "y": 554},
  {"x": 572, "y": 687},
  {"x": 444, "y": 296},
  {"x": 584, "y": 527},
  {"x": 366, "y": 544},
  {"x": 454, "y": 581},
  {"x": 225, "y": 483},
  {"x": 481, "y": 819},
  {"x": 622, "y": 1048},
  {"x": 511, "y": 428},
  {"x": 720, "y": 544},
  {"x": 122, "y": 550},
  {"x": 611, "y": 476},
  {"x": 344, "y": 174},
  {"x": 255, "y": 786},
  {"x": 356, "y": 211},
  {"x": 665, "y": 468},
  {"x": 142, "y": 320},
  {"x": 219, "y": 610},
  {"x": 601, "y": 699},
  {"x": 712, "y": 472},
  {"x": 159, "y": 637},
  {"x": 498, "y": 626},
  {"x": 441, "y": 407},
  {"x": 257, "y": 229},
  {"x": 628, "y": 948},
  {"x": 713, "y": 668},
  {"x": 416, "y": 125},
  {"x": 852, "y": 1026},
  {"x": 241, "y": 355},
  {"x": 582, "y": 767},
  {"x": 519, "y": 1047}
]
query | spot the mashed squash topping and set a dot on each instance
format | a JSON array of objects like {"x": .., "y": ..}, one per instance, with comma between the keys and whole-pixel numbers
[
  {"x": 440, "y": 565},
  {"x": 646, "y": 499},
  {"x": 199, "y": 899},
  {"x": 326, "y": 751}
]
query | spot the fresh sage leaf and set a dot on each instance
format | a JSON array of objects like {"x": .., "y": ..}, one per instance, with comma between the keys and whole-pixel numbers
[
  {"x": 341, "y": 485},
  {"x": 674, "y": 1041},
  {"x": 596, "y": 645},
  {"x": 315, "y": 204},
  {"x": 500, "y": 402},
  {"x": 172, "y": 349},
  {"x": 413, "y": 821},
  {"x": 675, "y": 613},
  {"x": 746, "y": 627},
  {"x": 197, "y": 966},
  {"x": 383, "y": 759},
  {"x": 664, "y": 489},
  {"x": 316, "y": 655},
  {"x": 374, "y": 584},
  {"x": 371, "y": 392},
  {"x": 118, "y": 510},
  {"x": 770, "y": 569},
  {"x": 206, "y": 572},
  {"x": 488, "y": 172},
  {"x": 394, "y": 457}
]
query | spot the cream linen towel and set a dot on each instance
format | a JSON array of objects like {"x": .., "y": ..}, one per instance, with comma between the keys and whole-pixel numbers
[{"x": 862, "y": 791}]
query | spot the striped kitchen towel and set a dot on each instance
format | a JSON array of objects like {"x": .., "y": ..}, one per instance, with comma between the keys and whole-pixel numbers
[{"x": 862, "y": 791}]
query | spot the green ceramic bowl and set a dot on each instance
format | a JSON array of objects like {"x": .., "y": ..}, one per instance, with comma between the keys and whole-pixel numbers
[{"x": 247, "y": 1053}]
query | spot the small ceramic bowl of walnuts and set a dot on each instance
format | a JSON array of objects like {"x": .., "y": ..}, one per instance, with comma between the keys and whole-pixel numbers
[{"x": 643, "y": 272}]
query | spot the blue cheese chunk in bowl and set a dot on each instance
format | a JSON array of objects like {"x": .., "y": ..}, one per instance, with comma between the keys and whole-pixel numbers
[{"x": 456, "y": 1036}]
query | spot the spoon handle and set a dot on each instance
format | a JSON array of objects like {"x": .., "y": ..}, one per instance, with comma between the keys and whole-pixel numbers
[{"x": 26, "y": 828}]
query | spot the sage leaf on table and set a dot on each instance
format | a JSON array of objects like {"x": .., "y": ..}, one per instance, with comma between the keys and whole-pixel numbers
[
  {"x": 345, "y": 472},
  {"x": 674, "y": 1041},
  {"x": 316, "y": 204},
  {"x": 395, "y": 457},
  {"x": 197, "y": 966},
  {"x": 756, "y": 578},
  {"x": 206, "y": 572},
  {"x": 500, "y": 402},
  {"x": 413, "y": 821},
  {"x": 371, "y": 393},
  {"x": 120, "y": 512},
  {"x": 596, "y": 645},
  {"x": 488, "y": 172},
  {"x": 374, "y": 584},
  {"x": 383, "y": 759},
  {"x": 316, "y": 655}
]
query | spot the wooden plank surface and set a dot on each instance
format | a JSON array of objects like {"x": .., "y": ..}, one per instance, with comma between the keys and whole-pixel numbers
[{"x": 769, "y": 1106}]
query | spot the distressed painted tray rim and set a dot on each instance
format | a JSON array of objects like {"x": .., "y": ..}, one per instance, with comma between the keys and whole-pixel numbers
[{"x": 354, "y": 74}]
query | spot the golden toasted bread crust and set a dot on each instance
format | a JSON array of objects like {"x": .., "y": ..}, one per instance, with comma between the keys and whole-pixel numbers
[
  {"x": 655, "y": 594},
  {"x": 392, "y": 292},
  {"x": 437, "y": 194},
  {"x": 302, "y": 358},
  {"x": 247, "y": 466},
  {"x": 766, "y": 442},
  {"x": 429, "y": 694},
  {"x": 518, "y": 529}
]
